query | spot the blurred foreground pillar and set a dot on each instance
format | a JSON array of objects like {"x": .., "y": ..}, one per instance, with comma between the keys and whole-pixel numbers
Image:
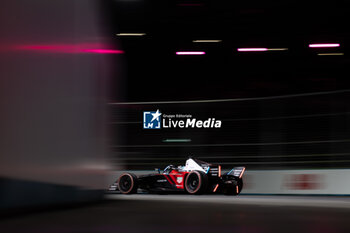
[{"x": 53, "y": 87}]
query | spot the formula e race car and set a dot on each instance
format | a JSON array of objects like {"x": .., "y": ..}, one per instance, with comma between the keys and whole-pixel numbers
[{"x": 196, "y": 177}]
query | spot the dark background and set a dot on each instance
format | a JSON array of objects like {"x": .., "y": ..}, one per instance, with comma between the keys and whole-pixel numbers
[
  {"x": 309, "y": 131},
  {"x": 154, "y": 72}
]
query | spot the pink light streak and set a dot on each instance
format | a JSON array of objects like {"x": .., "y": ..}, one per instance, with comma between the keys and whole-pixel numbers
[
  {"x": 105, "y": 51},
  {"x": 324, "y": 45},
  {"x": 68, "y": 48},
  {"x": 190, "y": 53},
  {"x": 252, "y": 49}
]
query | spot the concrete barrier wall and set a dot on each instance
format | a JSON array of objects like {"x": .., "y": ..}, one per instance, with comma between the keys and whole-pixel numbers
[{"x": 335, "y": 182}]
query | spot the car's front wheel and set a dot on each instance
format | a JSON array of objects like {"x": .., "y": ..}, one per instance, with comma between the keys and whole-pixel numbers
[
  {"x": 196, "y": 182},
  {"x": 127, "y": 183}
]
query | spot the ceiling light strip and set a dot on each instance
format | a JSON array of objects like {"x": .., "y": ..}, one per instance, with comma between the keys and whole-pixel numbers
[
  {"x": 131, "y": 34},
  {"x": 207, "y": 41},
  {"x": 252, "y": 49},
  {"x": 190, "y": 53},
  {"x": 329, "y": 45},
  {"x": 330, "y": 54}
]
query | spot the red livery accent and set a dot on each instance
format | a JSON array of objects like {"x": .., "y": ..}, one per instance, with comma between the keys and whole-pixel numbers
[{"x": 169, "y": 180}]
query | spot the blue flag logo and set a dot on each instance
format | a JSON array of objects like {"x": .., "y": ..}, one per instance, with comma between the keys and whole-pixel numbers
[{"x": 151, "y": 120}]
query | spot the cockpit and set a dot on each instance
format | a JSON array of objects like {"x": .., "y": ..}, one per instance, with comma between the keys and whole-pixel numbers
[
  {"x": 168, "y": 169},
  {"x": 171, "y": 168}
]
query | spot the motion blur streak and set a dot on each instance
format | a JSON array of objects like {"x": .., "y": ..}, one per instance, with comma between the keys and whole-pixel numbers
[
  {"x": 131, "y": 34},
  {"x": 278, "y": 49},
  {"x": 105, "y": 51},
  {"x": 236, "y": 99},
  {"x": 173, "y": 214},
  {"x": 191, "y": 53},
  {"x": 207, "y": 41},
  {"x": 177, "y": 140},
  {"x": 260, "y": 49},
  {"x": 252, "y": 49},
  {"x": 68, "y": 48},
  {"x": 289, "y": 132},
  {"x": 323, "y": 45},
  {"x": 330, "y": 54}
]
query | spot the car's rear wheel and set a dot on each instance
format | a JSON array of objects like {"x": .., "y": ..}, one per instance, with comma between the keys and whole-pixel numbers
[
  {"x": 127, "y": 183},
  {"x": 196, "y": 182},
  {"x": 233, "y": 187}
]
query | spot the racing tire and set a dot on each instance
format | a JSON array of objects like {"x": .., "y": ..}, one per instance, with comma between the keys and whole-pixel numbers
[
  {"x": 234, "y": 187},
  {"x": 127, "y": 183},
  {"x": 196, "y": 182}
]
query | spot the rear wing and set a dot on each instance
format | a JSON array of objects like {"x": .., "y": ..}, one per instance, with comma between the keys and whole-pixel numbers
[{"x": 237, "y": 172}]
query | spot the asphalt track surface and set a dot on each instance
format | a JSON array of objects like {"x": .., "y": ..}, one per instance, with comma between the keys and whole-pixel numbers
[{"x": 184, "y": 213}]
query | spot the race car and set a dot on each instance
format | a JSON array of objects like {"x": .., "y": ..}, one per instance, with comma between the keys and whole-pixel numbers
[{"x": 196, "y": 177}]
